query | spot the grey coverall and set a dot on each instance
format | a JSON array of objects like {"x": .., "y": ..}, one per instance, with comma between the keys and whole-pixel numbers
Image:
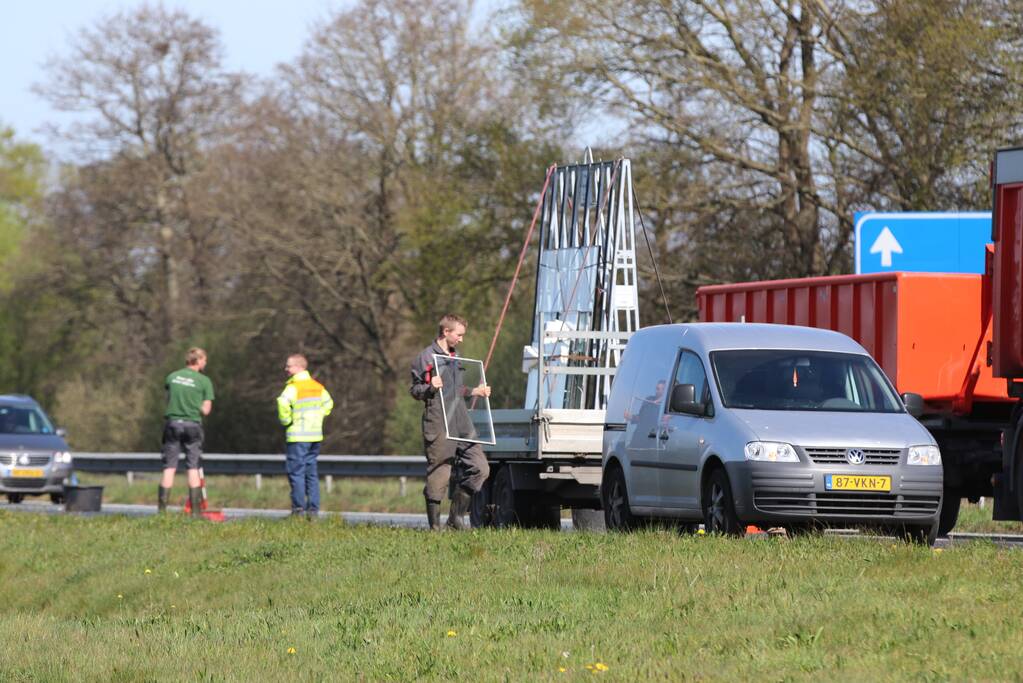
[{"x": 442, "y": 452}]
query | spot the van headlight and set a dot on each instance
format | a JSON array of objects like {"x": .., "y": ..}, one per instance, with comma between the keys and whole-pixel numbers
[
  {"x": 62, "y": 458},
  {"x": 770, "y": 451},
  {"x": 924, "y": 455}
]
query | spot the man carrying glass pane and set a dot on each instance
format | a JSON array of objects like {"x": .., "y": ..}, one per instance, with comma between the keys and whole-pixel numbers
[{"x": 442, "y": 452}]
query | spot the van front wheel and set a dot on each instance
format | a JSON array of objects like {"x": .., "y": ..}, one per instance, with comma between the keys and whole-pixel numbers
[{"x": 718, "y": 505}]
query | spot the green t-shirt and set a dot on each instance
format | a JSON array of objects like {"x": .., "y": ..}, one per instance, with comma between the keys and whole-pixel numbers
[{"x": 186, "y": 390}]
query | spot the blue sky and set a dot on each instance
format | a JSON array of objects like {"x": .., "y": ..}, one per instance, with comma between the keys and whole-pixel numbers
[{"x": 257, "y": 35}]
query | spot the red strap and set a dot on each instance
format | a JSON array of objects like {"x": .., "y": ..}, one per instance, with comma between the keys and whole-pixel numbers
[
  {"x": 518, "y": 266},
  {"x": 429, "y": 369}
]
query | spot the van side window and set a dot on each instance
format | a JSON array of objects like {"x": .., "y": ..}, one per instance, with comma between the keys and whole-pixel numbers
[{"x": 690, "y": 371}]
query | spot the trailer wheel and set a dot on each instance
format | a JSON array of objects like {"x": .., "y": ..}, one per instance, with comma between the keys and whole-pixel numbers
[
  {"x": 481, "y": 510},
  {"x": 15, "y": 498},
  {"x": 951, "y": 499},
  {"x": 502, "y": 500},
  {"x": 533, "y": 513}
]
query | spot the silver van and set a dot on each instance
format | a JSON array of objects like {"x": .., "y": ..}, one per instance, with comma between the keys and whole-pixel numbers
[{"x": 731, "y": 424}]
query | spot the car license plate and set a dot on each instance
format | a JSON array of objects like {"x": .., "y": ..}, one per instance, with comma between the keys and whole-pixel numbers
[
  {"x": 28, "y": 474},
  {"x": 857, "y": 482}
]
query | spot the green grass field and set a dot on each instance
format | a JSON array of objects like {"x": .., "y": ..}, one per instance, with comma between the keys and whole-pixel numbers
[{"x": 166, "y": 598}]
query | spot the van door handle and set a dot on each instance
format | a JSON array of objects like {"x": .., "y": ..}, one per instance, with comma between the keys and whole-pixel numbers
[
  {"x": 664, "y": 435},
  {"x": 652, "y": 434}
]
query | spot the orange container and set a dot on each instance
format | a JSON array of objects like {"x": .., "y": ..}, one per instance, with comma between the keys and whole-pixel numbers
[{"x": 928, "y": 331}]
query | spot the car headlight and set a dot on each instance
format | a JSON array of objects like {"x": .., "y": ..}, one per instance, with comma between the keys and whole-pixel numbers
[
  {"x": 62, "y": 458},
  {"x": 771, "y": 451},
  {"x": 924, "y": 455}
]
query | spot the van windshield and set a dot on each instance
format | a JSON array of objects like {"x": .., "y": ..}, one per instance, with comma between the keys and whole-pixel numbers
[
  {"x": 803, "y": 380},
  {"x": 23, "y": 420}
]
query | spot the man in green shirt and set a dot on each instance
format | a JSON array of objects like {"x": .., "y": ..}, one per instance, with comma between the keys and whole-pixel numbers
[{"x": 189, "y": 398}]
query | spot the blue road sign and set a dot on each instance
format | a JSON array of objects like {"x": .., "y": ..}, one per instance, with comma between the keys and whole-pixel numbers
[{"x": 921, "y": 242}]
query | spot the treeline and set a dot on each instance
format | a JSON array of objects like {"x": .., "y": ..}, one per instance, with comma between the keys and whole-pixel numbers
[{"x": 388, "y": 175}]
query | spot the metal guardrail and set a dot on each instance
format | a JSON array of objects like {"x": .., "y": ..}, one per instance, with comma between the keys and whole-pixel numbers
[{"x": 230, "y": 463}]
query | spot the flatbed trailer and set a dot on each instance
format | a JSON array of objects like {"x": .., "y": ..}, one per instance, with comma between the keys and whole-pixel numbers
[
  {"x": 546, "y": 459},
  {"x": 547, "y": 456}
]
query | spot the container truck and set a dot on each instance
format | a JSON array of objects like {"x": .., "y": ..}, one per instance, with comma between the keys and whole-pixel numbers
[{"x": 954, "y": 339}]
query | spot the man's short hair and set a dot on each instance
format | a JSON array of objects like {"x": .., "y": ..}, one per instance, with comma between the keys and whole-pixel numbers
[
  {"x": 194, "y": 355},
  {"x": 300, "y": 360},
  {"x": 449, "y": 321}
]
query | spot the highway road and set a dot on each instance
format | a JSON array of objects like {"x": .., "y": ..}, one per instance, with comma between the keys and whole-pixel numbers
[{"x": 416, "y": 521}]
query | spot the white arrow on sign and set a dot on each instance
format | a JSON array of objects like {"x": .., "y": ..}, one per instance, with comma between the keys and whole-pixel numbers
[{"x": 886, "y": 245}]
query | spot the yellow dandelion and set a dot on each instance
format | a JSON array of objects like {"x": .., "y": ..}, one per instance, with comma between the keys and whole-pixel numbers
[
  {"x": 173, "y": 606},
  {"x": 562, "y": 669},
  {"x": 600, "y": 666},
  {"x": 700, "y": 532},
  {"x": 148, "y": 571},
  {"x": 452, "y": 634},
  {"x": 590, "y": 667},
  {"x": 291, "y": 650},
  {"x": 937, "y": 551}
]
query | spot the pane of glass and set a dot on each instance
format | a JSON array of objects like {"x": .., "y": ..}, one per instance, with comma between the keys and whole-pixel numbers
[{"x": 466, "y": 415}]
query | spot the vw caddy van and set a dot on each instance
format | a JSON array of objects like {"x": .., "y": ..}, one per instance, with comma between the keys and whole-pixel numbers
[{"x": 731, "y": 424}]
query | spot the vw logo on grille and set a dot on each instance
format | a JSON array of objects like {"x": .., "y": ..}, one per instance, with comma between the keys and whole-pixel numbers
[{"x": 855, "y": 456}]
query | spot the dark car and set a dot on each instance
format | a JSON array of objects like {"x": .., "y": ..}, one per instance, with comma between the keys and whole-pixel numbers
[{"x": 34, "y": 458}]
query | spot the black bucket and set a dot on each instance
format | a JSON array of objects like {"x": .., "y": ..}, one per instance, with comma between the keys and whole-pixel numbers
[{"x": 83, "y": 498}]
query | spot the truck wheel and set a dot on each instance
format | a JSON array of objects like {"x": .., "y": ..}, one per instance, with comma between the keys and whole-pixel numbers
[
  {"x": 481, "y": 510},
  {"x": 57, "y": 498},
  {"x": 588, "y": 520},
  {"x": 951, "y": 499},
  {"x": 15, "y": 498},
  {"x": 502, "y": 500},
  {"x": 617, "y": 515},
  {"x": 718, "y": 506}
]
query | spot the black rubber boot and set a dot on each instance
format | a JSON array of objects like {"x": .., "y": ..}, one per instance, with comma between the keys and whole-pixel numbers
[
  {"x": 459, "y": 507},
  {"x": 195, "y": 496},
  {"x": 162, "y": 496},
  {"x": 433, "y": 515}
]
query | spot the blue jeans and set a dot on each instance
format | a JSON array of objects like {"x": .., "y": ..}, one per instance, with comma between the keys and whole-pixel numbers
[{"x": 305, "y": 483}]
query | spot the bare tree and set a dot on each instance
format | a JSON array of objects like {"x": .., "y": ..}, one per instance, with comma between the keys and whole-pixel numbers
[
  {"x": 929, "y": 89},
  {"x": 735, "y": 85},
  {"x": 153, "y": 95}
]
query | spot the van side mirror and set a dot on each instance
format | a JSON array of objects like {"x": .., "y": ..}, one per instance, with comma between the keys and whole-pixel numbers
[
  {"x": 914, "y": 404},
  {"x": 683, "y": 400}
]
